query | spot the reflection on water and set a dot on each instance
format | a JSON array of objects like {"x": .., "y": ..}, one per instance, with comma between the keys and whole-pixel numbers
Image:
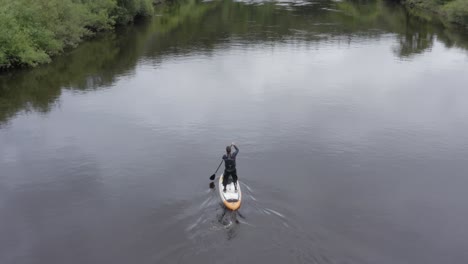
[{"x": 191, "y": 26}]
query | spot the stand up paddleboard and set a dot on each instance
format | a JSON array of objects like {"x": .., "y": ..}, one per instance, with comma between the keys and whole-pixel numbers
[{"x": 231, "y": 198}]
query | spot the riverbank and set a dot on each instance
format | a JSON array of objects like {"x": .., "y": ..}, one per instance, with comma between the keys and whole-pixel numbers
[
  {"x": 452, "y": 11},
  {"x": 32, "y": 32}
]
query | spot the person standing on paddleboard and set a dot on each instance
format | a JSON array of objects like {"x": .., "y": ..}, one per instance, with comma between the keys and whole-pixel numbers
[{"x": 230, "y": 166}]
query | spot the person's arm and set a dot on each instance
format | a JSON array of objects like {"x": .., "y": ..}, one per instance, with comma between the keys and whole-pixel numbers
[{"x": 235, "y": 147}]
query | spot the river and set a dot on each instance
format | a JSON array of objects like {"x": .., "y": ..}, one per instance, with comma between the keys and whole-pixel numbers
[{"x": 351, "y": 119}]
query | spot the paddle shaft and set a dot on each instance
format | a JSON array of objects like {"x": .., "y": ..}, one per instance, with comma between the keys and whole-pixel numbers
[
  {"x": 219, "y": 166},
  {"x": 212, "y": 177}
]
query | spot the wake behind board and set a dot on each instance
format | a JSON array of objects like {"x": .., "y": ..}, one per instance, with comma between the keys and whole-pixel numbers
[{"x": 231, "y": 198}]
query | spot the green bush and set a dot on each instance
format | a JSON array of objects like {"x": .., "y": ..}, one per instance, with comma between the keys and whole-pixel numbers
[
  {"x": 457, "y": 11},
  {"x": 129, "y": 9},
  {"x": 31, "y": 31}
]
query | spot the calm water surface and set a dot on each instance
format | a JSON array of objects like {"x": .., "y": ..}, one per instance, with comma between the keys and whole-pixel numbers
[{"x": 351, "y": 118}]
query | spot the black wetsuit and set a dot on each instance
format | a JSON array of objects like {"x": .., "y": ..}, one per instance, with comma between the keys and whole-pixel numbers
[{"x": 230, "y": 167}]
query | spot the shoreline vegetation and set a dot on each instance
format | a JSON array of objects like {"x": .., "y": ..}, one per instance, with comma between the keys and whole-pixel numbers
[
  {"x": 452, "y": 11},
  {"x": 33, "y": 31},
  {"x": 178, "y": 29}
]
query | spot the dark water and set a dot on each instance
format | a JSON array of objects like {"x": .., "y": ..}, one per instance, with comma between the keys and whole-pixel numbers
[{"x": 351, "y": 118}]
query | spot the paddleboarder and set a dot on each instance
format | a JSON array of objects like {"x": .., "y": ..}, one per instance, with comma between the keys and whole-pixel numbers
[{"x": 230, "y": 166}]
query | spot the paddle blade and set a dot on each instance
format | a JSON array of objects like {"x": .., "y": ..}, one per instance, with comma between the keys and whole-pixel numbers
[{"x": 212, "y": 177}]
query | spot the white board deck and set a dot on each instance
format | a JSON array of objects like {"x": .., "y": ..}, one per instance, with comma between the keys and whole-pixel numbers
[{"x": 231, "y": 198}]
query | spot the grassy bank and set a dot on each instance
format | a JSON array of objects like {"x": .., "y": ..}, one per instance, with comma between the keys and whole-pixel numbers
[
  {"x": 454, "y": 11},
  {"x": 32, "y": 31}
]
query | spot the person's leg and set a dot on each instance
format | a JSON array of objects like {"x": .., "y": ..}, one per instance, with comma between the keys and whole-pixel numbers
[
  {"x": 225, "y": 179},
  {"x": 234, "y": 178}
]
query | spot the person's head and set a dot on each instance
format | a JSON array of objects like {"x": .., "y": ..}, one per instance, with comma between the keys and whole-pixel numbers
[{"x": 228, "y": 149}]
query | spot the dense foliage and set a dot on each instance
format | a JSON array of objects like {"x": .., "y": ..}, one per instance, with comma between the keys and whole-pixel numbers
[
  {"x": 100, "y": 62},
  {"x": 31, "y": 31},
  {"x": 455, "y": 11}
]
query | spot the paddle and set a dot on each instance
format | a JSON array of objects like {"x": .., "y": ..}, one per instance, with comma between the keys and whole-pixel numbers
[{"x": 212, "y": 177}]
